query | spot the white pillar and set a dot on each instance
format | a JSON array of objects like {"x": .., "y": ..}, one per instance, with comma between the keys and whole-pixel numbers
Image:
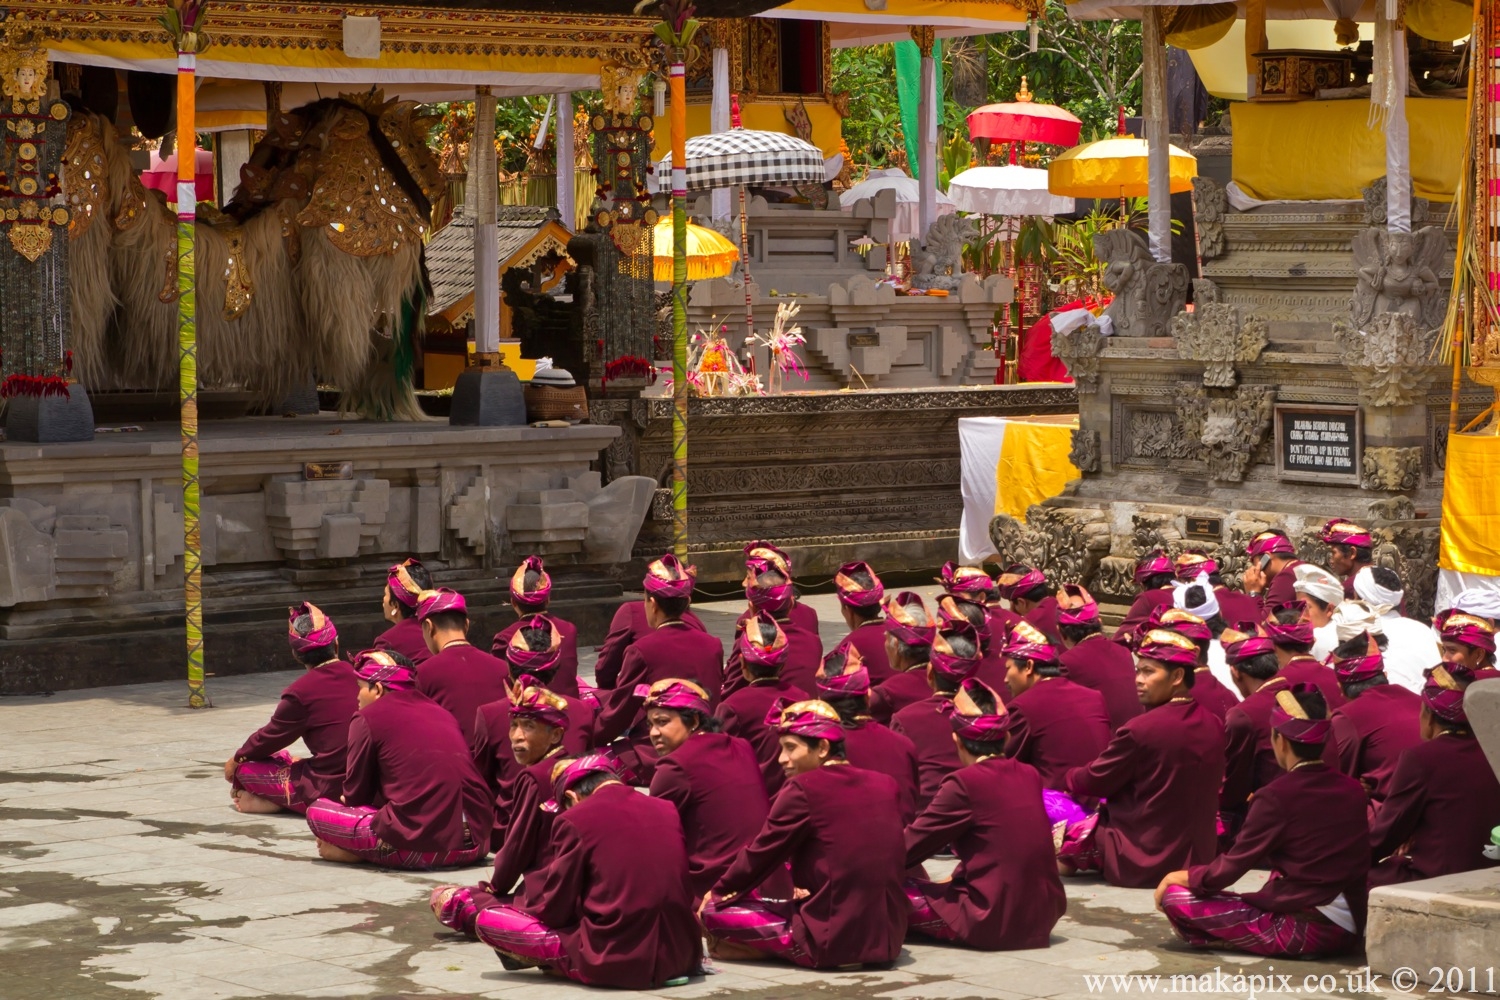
[
  {"x": 566, "y": 202},
  {"x": 1158, "y": 156},
  {"x": 927, "y": 128},
  {"x": 233, "y": 152},
  {"x": 1397, "y": 140},
  {"x": 486, "y": 238},
  {"x": 719, "y": 117}
]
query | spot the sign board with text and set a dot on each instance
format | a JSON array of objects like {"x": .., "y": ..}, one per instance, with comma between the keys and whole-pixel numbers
[{"x": 1319, "y": 443}]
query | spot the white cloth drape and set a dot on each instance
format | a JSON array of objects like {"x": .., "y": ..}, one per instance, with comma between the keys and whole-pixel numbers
[
  {"x": 719, "y": 122},
  {"x": 979, "y": 442}
]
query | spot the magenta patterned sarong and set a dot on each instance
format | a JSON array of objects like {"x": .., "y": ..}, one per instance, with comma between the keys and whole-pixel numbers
[
  {"x": 1227, "y": 921},
  {"x": 1061, "y": 808},
  {"x": 351, "y": 827},
  {"x": 271, "y": 779},
  {"x": 518, "y": 935},
  {"x": 755, "y": 923},
  {"x": 924, "y": 920},
  {"x": 1076, "y": 845},
  {"x": 456, "y": 912}
]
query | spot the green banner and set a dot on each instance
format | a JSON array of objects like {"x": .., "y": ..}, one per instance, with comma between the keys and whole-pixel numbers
[{"x": 909, "y": 91}]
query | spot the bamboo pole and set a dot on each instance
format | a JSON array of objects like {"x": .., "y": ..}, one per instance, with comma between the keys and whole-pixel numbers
[{"x": 677, "y": 86}]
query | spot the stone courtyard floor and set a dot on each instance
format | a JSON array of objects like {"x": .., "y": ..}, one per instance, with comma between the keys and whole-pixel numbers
[{"x": 125, "y": 874}]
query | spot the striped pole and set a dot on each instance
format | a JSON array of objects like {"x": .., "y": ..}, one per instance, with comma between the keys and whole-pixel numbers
[
  {"x": 676, "y": 81},
  {"x": 187, "y": 374}
]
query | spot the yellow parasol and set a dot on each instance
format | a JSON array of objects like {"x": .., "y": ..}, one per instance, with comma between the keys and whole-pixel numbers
[
  {"x": 709, "y": 255},
  {"x": 1114, "y": 168}
]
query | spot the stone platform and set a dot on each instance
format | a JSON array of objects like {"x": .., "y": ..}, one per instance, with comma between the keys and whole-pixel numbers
[{"x": 1451, "y": 922}]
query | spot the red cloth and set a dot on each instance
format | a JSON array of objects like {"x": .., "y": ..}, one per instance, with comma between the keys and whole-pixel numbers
[
  {"x": 315, "y": 708},
  {"x": 674, "y": 650},
  {"x": 713, "y": 781},
  {"x": 744, "y": 715},
  {"x": 1005, "y": 892},
  {"x": 869, "y": 639},
  {"x": 1371, "y": 732},
  {"x": 405, "y": 637},
  {"x": 161, "y": 175},
  {"x": 1035, "y": 362},
  {"x": 901, "y": 690},
  {"x": 1443, "y": 802},
  {"x": 804, "y": 651},
  {"x": 1108, "y": 668},
  {"x": 1056, "y": 725},
  {"x": 1161, "y": 775},
  {"x": 408, "y": 760},
  {"x": 490, "y": 747},
  {"x": 628, "y": 625},
  {"x": 875, "y": 747},
  {"x": 565, "y": 677},
  {"x": 840, "y": 829},
  {"x": 1211, "y": 693},
  {"x": 461, "y": 678},
  {"x": 927, "y": 726}
]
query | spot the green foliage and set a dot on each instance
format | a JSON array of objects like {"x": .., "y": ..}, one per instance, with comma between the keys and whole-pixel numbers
[
  {"x": 873, "y": 127},
  {"x": 956, "y": 157}
]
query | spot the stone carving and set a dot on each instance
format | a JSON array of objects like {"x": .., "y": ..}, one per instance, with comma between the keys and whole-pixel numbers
[
  {"x": 548, "y": 522},
  {"x": 1156, "y": 434},
  {"x": 1215, "y": 334},
  {"x": 1392, "y": 509},
  {"x": 46, "y": 555},
  {"x": 469, "y": 515},
  {"x": 939, "y": 264},
  {"x": 1392, "y": 469},
  {"x": 1079, "y": 349},
  {"x": 1085, "y": 451},
  {"x": 1205, "y": 291},
  {"x": 1115, "y": 577},
  {"x": 1375, "y": 202},
  {"x": 615, "y": 516},
  {"x": 1227, "y": 429},
  {"x": 1411, "y": 549},
  {"x": 27, "y": 572},
  {"x": 1397, "y": 273},
  {"x": 326, "y": 519},
  {"x": 1388, "y": 359},
  {"x": 1064, "y": 543},
  {"x": 1210, "y": 206},
  {"x": 661, "y": 505},
  {"x": 1147, "y": 294}
]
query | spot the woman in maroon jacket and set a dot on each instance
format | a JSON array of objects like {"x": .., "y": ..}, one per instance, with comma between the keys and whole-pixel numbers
[
  {"x": 315, "y": 708},
  {"x": 1443, "y": 799},
  {"x": 762, "y": 648},
  {"x": 404, "y": 585},
  {"x": 861, "y": 599},
  {"x": 838, "y": 828},
  {"x": 844, "y": 685},
  {"x": 909, "y": 629},
  {"x": 1309, "y": 828},
  {"x": 530, "y": 593},
  {"x": 1005, "y": 892}
]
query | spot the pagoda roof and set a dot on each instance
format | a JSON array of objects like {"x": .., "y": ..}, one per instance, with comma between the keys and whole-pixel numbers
[{"x": 525, "y": 233}]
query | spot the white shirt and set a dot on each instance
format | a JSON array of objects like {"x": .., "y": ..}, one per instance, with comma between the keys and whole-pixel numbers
[
  {"x": 1219, "y": 667},
  {"x": 1411, "y": 648},
  {"x": 1325, "y": 641}
]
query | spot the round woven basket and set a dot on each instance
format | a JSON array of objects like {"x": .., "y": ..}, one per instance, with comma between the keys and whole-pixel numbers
[{"x": 548, "y": 402}]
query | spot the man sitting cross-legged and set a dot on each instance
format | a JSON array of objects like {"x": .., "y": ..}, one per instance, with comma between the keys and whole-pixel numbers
[
  {"x": 909, "y": 630},
  {"x": 861, "y": 599},
  {"x": 762, "y": 647},
  {"x": 954, "y": 659},
  {"x": 404, "y": 584},
  {"x": 844, "y": 685},
  {"x": 530, "y": 594}
]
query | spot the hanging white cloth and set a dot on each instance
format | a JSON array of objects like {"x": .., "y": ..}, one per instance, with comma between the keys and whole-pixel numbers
[{"x": 1388, "y": 86}]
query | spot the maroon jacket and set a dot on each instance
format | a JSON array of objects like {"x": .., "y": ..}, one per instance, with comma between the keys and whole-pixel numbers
[
  {"x": 744, "y": 715},
  {"x": 1211, "y": 693},
  {"x": 674, "y": 650},
  {"x": 1306, "y": 670},
  {"x": 839, "y": 828},
  {"x": 527, "y": 844},
  {"x": 1044, "y": 616},
  {"x": 565, "y": 677},
  {"x": 1160, "y": 776},
  {"x": 405, "y": 637},
  {"x": 714, "y": 782},
  {"x": 1443, "y": 801},
  {"x": 1371, "y": 732},
  {"x": 1005, "y": 892},
  {"x": 462, "y": 677},
  {"x": 1236, "y": 607},
  {"x": 616, "y": 891},
  {"x": 1001, "y": 620},
  {"x": 408, "y": 760},
  {"x": 1145, "y": 602},
  {"x": 1108, "y": 668},
  {"x": 902, "y": 689},
  {"x": 1249, "y": 762},
  {"x": 875, "y": 747},
  {"x": 628, "y": 625},
  {"x": 1056, "y": 725},
  {"x": 926, "y": 725},
  {"x": 1308, "y": 827},
  {"x": 490, "y": 747},
  {"x": 869, "y": 639},
  {"x": 992, "y": 672},
  {"x": 315, "y": 708},
  {"x": 804, "y": 653},
  {"x": 1281, "y": 589}
]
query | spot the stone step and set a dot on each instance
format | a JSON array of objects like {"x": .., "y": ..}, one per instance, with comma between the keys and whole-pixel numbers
[
  {"x": 1138, "y": 343},
  {"x": 1442, "y": 922}
]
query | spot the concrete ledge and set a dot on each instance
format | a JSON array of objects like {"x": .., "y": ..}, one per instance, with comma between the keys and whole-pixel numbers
[{"x": 1445, "y": 922}]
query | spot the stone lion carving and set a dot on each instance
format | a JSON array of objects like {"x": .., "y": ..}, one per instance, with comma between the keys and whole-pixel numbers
[
  {"x": 1227, "y": 429},
  {"x": 1147, "y": 293},
  {"x": 940, "y": 263},
  {"x": 1397, "y": 273}
]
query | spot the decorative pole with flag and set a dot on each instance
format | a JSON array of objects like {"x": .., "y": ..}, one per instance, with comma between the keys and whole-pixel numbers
[{"x": 183, "y": 19}]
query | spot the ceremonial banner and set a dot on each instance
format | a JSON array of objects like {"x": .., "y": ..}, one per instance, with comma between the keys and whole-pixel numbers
[
  {"x": 1006, "y": 466},
  {"x": 1471, "y": 505}
]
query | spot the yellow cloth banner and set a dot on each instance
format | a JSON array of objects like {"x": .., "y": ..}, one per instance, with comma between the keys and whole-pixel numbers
[
  {"x": 1309, "y": 150},
  {"x": 1471, "y": 505},
  {"x": 1033, "y": 465}
]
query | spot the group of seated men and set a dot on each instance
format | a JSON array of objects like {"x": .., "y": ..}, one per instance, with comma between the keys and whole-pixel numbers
[{"x": 792, "y": 797}]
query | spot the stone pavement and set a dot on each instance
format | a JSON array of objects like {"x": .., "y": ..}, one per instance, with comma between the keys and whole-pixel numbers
[{"x": 125, "y": 873}]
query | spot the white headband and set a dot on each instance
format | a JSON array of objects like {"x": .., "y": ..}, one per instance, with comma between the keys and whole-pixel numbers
[
  {"x": 1210, "y": 605},
  {"x": 1380, "y": 600},
  {"x": 1317, "y": 582},
  {"x": 1353, "y": 617}
]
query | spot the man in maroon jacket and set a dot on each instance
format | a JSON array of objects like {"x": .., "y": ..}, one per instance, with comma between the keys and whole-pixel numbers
[
  {"x": 1055, "y": 725},
  {"x": 770, "y": 590},
  {"x": 954, "y": 659},
  {"x": 1350, "y": 549},
  {"x": 1091, "y": 660},
  {"x": 1293, "y": 638},
  {"x": 1444, "y": 798},
  {"x": 1249, "y": 762},
  {"x": 991, "y": 656},
  {"x": 1272, "y": 571},
  {"x": 1468, "y": 640},
  {"x": 1025, "y": 587},
  {"x": 315, "y": 708},
  {"x": 628, "y": 626},
  {"x": 861, "y": 597},
  {"x": 458, "y": 676},
  {"x": 972, "y": 583},
  {"x": 1005, "y": 892},
  {"x": 1233, "y": 606},
  {"x": 1154, "y": 574},
  {"x": 612, "y": 906},
  {"x": 412, "y": 797},
  {"x": 1207, "y": 690},
  {"x": 844, "y": 685},
  {"x": 762, "y": 649},
  {"x": 1160, "y": 777},
  {"x": 1309, "y": 828},
  {"x": 530, "y": 593},
  {"x": 839, "y": 829},
  {"x": 909, "y": 630},
  {"x": 404, "y": 585},
  {"x": 1379, "y": 722}
]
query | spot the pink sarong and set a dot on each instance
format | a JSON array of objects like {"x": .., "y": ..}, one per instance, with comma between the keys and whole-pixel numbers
[
  {"x": 1227, "y": 921},
  {"x": 271, "y": 779},
  {"x": 1061, "y": 808},
  {"x": 1076, "y": 845},
  {"x": 351, "y": 827},
  {"x": 924, "y": 920},
  {"x": 518, "y": 935},
  {"x": 755, "y": 923},
  {"x": 458, "y": 911}
]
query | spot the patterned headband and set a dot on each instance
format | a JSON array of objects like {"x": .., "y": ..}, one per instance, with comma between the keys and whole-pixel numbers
[
  {"x": 666, "y": 577},
  {"x": 768, "y": 553},
  {"x": 853, "y": 680},
  {"x": 815, "y": 720},
  {"x": 1290, "y": 719},
  {"x": 567, "y": 773},
  {"x": 1337, "y": 532},
  {"x": 1153, "y": 563},
  {"x": 965, "y": 580},
  {"x": 1026, "y": 642},
  {"x": 1184, "y": 623},
  {"x": 854, "y": 594},
  {"x": 541, "y": 705},
  {"x": 762, "y": 642},
  {"x": 403, "y": 588},
  {"x": 676, "y": 694},
  {"x": 527, "y": 660},
  {"x": 948, "y": 663},
  {"x": 971, "y": 722},
  {"x": 1356, "y": 669},
  {"x": 377, "y": 666},
  {"x": 1443, "y": 692},
  {"x": 441, "y": 601},
  {"x": 1270, "y": 543},
  {"x": 1470, "y": 630},
  {"x": 1019, "y": 579},
  {"x": 1188, "y": 565},
  {"x": 907, "y": 618},
  {"x": 766, "y": 596},
  {"x": 536, "y": 598},
  {"x": 1244, "y": 642},
  {"x": 323, "y": 633},
  {"x": 1171, "y": 648},
  {"x": 1076, "y": 606}
]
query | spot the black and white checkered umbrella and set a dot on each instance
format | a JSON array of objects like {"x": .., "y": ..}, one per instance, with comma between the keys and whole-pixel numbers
[{"x": 745, "y": 156}]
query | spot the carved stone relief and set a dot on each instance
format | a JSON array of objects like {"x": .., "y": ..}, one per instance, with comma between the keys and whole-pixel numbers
[
  {"x": 1085, "y": 451},
  {"x": 1375, "y": 201},
  {"x": 1214, "y": 334},
  {"x": 1147, "y": 294},
  {"x": 1392, "y": 469},
  {"x": 326, "y": 519},
  {"x": 1226, "y": 429},
  {"x": 1079, "y": 350},
  {"x": 1398, "y": 273},
  {"x": 1210, "y": 206},
  {"x": 1411, "y": 550},
  {"x": 1064, "y": 543},
  {"x": 1388, "y": 359},
  {"x": 1157, "y": 435}
]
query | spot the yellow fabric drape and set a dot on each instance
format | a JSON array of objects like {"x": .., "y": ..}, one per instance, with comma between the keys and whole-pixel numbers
[
  {"x": 1471, "y": 505},
  {"x": 1033, "y": 465},
  {"x": 1309, "y": 150}
]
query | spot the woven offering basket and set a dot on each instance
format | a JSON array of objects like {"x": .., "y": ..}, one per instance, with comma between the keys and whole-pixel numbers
[{"x": 550, "y": 402}]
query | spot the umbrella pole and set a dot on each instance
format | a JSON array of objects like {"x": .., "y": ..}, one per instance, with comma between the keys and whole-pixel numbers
[{"x": 745, "y": 273}]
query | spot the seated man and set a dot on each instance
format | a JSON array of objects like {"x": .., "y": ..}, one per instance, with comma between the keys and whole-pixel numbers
[
  {"x": 954, "y": 659},
  {"x": 1055, "y": 725},
  {"x": 1350, "y": 549},
  {"x": 1154, "y": 573},
  {"x": 530, "y": 593},
  {"x": 458, "y": 676},
  {"x": 1411, "y": 646},
  {"x": 909, "y": 630},
  {"x": 839, "y": 829},
  {"x": 1026, "y": 589},
  {"x": 972, "y": 583},
  {"x": 710, "y": 777},
  {"x": 1273, "y": 568},
  {"x": 1207, "y": 689},
  {"x": 404, "y": 585},
  {"x": 1005, "y": 892},
  {"x": 769, "y": 590},
  {"x": 412, "y": 797},
  {"x": 762, "y": 653},
  {"x": 1378, "y": 723},
  {"x": 1292, "y": 636},
  {"x": 760, "y": 556},
  {"x": 861, "y": 597},
  {"x": 538, "y": 720},
  {"x": 612, "y": 906},
  {"x": 1233, "y": 605},
  {"x": 844, "y": 685},
  {"x": 1091, "y": 660},
  {"x": 1467, "y": 640},
  {"x": 1443, "y": 799},
  {"x": 1309, "y": 828},
  {"x": 1197, "y": 598},
  {"x": 991, "y": 652},
  {"x": 314, "y": 708},
  {"x": 1320, "y": 593},
  {"x": 1249, "y": 763},
  {"x": 627, "y": 627},
  {"x": 1159, "y": 777}
]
